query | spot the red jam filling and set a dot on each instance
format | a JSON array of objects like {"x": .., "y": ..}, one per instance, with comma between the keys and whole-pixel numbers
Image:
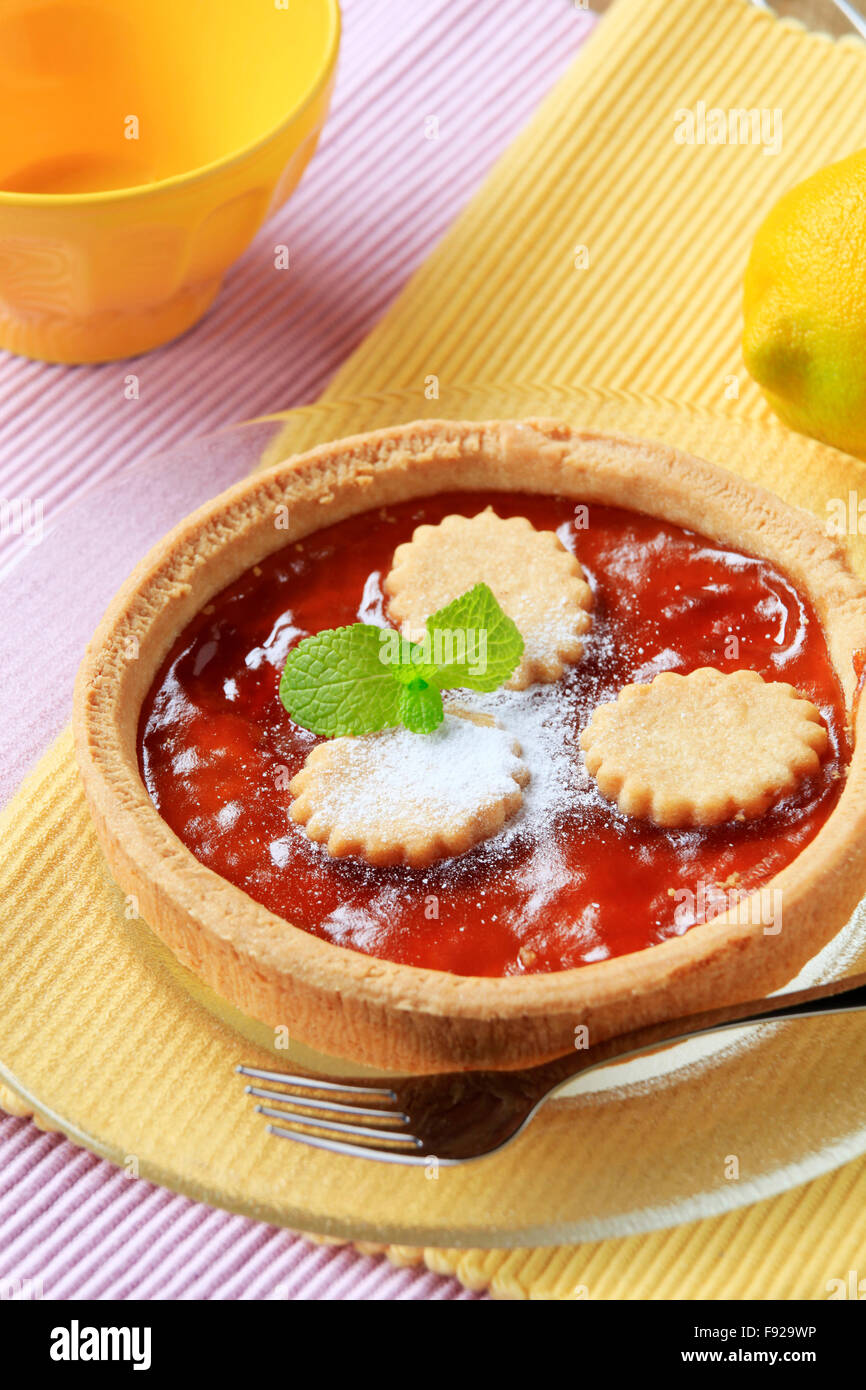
[{"x": 568, "y": 882}]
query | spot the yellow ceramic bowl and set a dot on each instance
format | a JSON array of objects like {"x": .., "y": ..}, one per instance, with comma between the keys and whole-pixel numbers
[{"x": 142, "y": 144}]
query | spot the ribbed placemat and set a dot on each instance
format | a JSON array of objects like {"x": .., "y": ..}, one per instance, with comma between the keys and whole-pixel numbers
[{"x": 602, "y": 252}]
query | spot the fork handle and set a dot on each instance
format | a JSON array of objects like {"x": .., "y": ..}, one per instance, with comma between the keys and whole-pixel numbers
[
  {"x": 847, "y": 995},
  {"x": 853, "y": 16},
  {"x": 843, "y": 7}
]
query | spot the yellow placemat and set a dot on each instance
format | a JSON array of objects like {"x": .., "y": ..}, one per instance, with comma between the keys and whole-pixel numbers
[
  {"x": 666, "y": 227},
  {"x": 601, "y": 251}
]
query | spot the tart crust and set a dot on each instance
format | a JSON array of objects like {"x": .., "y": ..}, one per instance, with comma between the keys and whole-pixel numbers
[{"x": 403, "y": 1017}]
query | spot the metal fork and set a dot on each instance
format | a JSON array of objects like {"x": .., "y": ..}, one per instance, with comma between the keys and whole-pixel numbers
[
  {"x": 805, "y": 11},
  {"x": 458, "y": 1116}
]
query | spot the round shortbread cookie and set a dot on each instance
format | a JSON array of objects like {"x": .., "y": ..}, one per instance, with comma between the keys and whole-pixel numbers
[
  {"x": 401, "y": 798},
  {"x": 703, "y": 748},
  {"x": 537, "y": 582}
]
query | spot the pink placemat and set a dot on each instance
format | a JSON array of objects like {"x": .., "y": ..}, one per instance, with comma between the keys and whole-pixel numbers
[{"x": 377, "y": 197}]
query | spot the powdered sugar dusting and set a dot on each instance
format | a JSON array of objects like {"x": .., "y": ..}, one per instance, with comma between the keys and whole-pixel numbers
[
  {"x": 547, "y": 734},
  {"x": 397, "y": 784}
]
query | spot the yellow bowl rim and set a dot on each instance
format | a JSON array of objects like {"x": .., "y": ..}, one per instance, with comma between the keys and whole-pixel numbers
[{"x": 38, "y": 200}]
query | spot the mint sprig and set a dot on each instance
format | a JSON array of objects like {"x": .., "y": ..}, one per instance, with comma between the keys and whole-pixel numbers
[
  {"x": 360, "y": 679},
  {"x": 477, "y": 614}
]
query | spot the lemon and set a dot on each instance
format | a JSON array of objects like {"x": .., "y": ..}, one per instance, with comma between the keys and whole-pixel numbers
[{"x": 804, "y": 306}]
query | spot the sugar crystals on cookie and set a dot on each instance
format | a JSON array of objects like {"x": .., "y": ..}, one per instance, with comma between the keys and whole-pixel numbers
[
  {"x": 539, "y": 584},
  {"x": 699, "y": 749}
]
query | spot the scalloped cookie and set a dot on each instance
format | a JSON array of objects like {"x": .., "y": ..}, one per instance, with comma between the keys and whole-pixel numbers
[
  {"x": 402, "y": 798},
  {"x": 703, "y": 748},
  {"x": 538, "y": 583}
]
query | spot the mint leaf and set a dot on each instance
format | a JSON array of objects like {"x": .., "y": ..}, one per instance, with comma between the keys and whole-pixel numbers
[
  {"x": 360, "y": 679},
  {"x": 471, "y": 643},
  {"x": 336, "y": 683},
  {"x": 421, "y": 707},
  {"x": 404, "y": 658}
]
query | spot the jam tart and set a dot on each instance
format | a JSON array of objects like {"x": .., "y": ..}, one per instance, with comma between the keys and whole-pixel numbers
[{"x": 686, "y": 712}]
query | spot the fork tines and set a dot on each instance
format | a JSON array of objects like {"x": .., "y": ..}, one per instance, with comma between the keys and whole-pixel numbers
[{"x": 334, "y": 1115}]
